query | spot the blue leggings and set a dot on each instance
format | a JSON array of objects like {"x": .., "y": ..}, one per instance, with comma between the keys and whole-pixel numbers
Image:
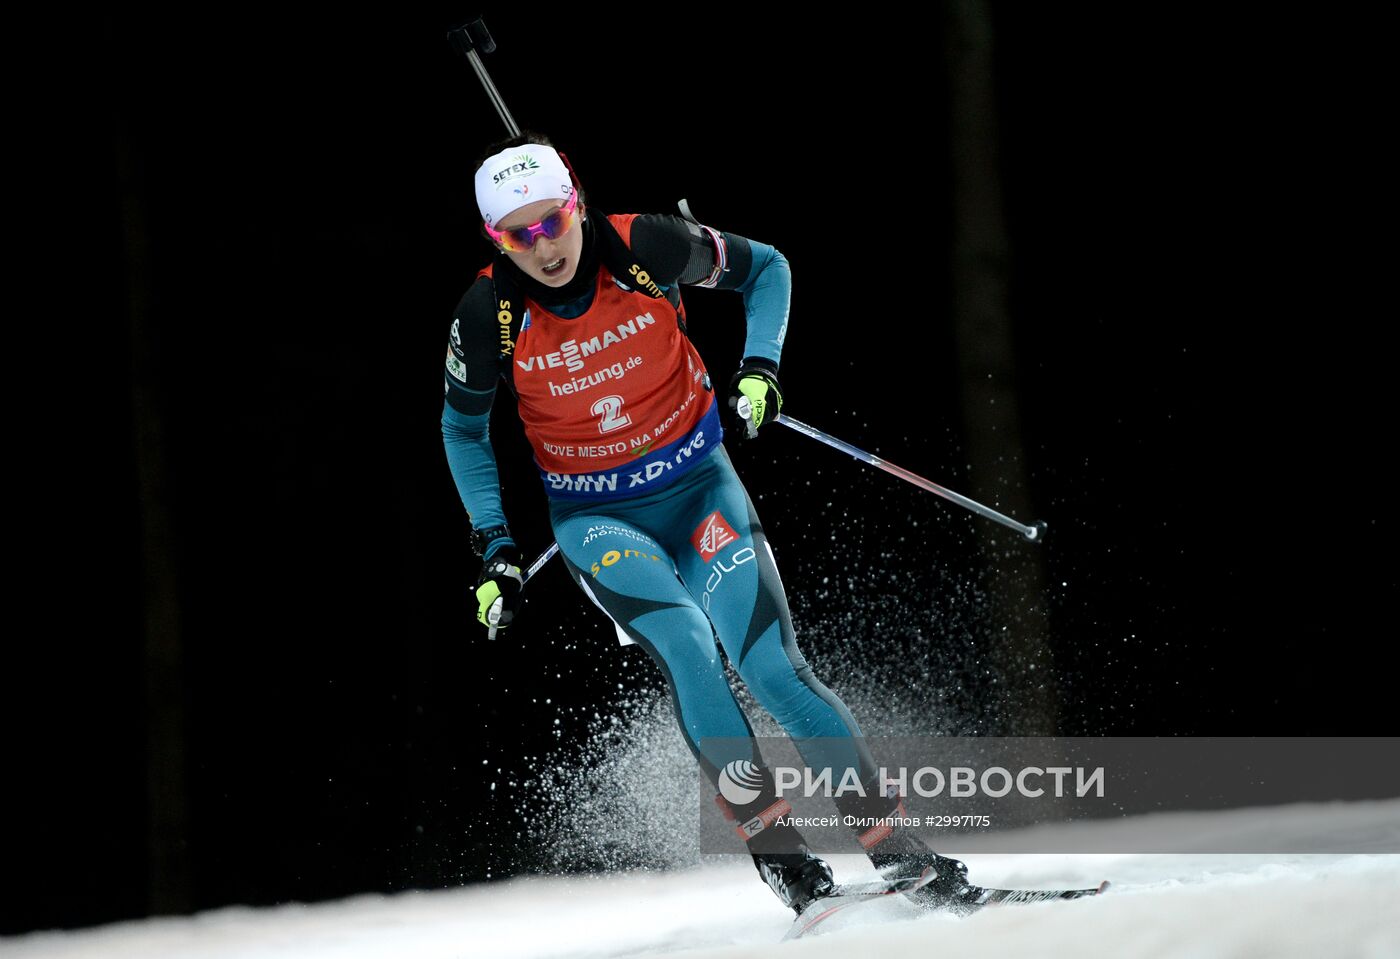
[{"x": 679, "y": 567}]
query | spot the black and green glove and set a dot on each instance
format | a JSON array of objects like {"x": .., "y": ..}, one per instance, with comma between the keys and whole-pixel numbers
[
  {"x": 755, "y": 398},
  {"x": 498, "y": 595}
]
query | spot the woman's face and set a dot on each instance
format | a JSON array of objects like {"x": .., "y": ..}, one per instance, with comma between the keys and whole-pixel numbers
[{"x": 546, "y": 252}]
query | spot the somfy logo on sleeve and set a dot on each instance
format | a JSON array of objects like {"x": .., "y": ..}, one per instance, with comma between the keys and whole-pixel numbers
[
  {"x": 740, "y": 782},
  {"x": 712, "y": 535}
]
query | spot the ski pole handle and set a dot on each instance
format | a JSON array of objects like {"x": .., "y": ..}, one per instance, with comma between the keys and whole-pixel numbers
[
  {"x": 470, "y": 38},
  {"x": 533, "y": 568}
]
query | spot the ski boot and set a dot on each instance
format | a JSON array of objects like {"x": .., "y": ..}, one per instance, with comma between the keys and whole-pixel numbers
[
  {"x": 899, "y": 854},
  {"x": 902, "y": 854},
  {"x": 779, "y": 853},
  {"x": 797, "y": 877}
]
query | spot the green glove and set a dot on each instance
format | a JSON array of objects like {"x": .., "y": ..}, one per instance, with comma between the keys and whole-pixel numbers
[{"x": 755, "y": 398}]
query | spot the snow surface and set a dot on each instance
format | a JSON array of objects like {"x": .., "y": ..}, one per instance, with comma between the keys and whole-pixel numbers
[{"x": 1185, "y": 906}]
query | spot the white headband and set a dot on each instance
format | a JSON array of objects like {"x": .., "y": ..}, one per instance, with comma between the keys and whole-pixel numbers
[{"x": 518, "y": 176}]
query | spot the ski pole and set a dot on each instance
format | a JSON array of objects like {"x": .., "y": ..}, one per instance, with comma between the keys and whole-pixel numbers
[
  {"x": 1035, "y": 531},
  {"x": 468, "y": 39},
  {"x": 530, "y": 571}
]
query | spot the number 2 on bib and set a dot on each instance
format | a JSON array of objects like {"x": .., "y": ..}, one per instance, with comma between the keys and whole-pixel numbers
[{"x": 610, "y": 409}]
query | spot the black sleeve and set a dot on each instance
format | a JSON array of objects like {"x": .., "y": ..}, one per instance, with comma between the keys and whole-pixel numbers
[
  {"x": 473, "y": 351},
  {"x": 679, "y": 251}
]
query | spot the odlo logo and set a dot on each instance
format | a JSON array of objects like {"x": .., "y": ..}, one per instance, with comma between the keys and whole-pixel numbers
[
  {"x": 740, "y": 557},
  {"x": 712, "y": 535},
  {"x": 740, "y": 782}
]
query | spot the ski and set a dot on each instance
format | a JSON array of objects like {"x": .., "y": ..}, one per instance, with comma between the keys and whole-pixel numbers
[
  {"x": 971, "y": 898},
  {"x": 968, "y": 900},
  {"x": 844, "y": 895}
]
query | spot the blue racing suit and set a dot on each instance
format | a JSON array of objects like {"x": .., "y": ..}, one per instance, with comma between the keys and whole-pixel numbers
[{"x": 681, "y": 566}]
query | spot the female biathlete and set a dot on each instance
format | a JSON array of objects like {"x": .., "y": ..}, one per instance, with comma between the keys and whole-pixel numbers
[{"x": 580, "y": 313}]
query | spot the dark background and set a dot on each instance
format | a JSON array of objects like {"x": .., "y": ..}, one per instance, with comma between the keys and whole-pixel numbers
[{"x": 251, "y": 231}]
